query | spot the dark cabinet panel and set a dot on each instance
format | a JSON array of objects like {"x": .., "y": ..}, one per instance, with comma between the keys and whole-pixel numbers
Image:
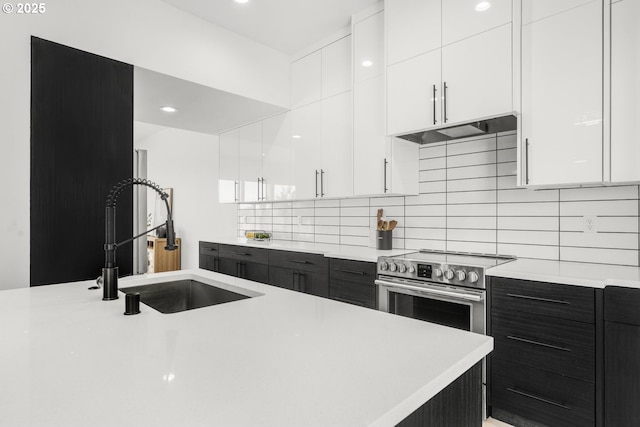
[
  {"x": 81, "y": 146},
  {"x": 244, "y": 253},
  {"x": 353, "y": 282},
  {"x": 622, "y": 305},
  {"x": 548, "y": 299},
  {"x": 282, "y": 278},
  {"x": 300, "y": 261},
  {"x": 301, "y": 281},
  {"x": 245, "y": 270},
  {"x": 209, "y": 256}
]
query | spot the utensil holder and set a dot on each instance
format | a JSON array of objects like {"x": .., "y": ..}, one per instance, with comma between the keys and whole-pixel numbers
[{"x": 384, "y": 239}]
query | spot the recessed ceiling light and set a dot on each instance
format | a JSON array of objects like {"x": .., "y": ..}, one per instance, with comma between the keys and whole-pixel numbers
[
  {"x": 242, "y": 1},
  {"x": 482, "y": 6},
  {"x": 168, "y": 109},
  {"x": 367, "y": 63}
]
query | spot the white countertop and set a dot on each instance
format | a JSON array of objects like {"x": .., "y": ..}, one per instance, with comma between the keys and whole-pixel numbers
[
  {"x": 356, "y": 253},
  {"x": 280, "y": 359},
  {"x": 569, "y": 273}
]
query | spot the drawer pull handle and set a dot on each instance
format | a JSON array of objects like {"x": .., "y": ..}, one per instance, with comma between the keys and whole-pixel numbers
[
  {"x": 297, "y": 261},
  {"x": 242, "y": 253},
  {"x": 349, "y": 271},
  {"x": 555, "y": 347},
  {"x": 209, "y": 249},
  {"x": 541, "y": 399},
  {"x": 555, "y": 301}
]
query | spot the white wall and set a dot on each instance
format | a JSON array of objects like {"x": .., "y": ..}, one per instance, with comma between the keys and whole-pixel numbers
[
  {"x": 146, "y": 33},
  {"x": 188, "y": 162}
]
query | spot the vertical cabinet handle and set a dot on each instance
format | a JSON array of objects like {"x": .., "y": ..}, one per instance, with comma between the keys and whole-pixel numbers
[
  {"x": 385, "y": 175},
  {"x": 526, "y": 164},
  {"x": 444, "y": 98},
  {"x": 317, "y": 182},
  {"x": 301, "y": 283},
  {"x": 434, "y": 105},
  {"x": 321, "y": 183},
  {"x": 259, "y": 185},
  {"x": 295, "y": 280},
  {"x": 263, "y": 188},
  {"x": 235, "y": 190}
]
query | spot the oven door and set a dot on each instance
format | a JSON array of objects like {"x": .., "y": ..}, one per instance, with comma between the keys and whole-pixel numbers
[{"x": 456, "y": 307}]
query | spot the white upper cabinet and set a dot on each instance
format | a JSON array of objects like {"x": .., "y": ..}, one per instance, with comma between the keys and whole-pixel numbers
[
  {"x": 413, "y": 27},
  {"x": 465, "y": 18},
  {"x": 277, "y": 158},
  {"x": 562, "y": 97},
  {"x": 306, "y": 149},
  {"x": 250, "y": 162},
  {"x": 533, "y": 10},
  {"x": 336, "y": 67},
  {"x": 336, "y": 176},
  {"x": 625, "y": 91},
  {"x": 368, "y": 55},
  {"x": 228, "y": 185},
  {"x": 477, "y": 81},
  {"x": 306, "y": 80}
]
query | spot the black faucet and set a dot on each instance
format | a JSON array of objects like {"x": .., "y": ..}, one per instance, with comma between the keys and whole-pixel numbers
[{"x": 110, "y": 271}]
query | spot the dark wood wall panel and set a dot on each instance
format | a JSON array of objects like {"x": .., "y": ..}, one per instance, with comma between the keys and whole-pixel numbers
[{"x": 81, "y": 145}]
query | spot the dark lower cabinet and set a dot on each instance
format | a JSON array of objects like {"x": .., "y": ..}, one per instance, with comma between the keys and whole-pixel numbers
[
  {"x": 209, "y": 256},
  {"x": 295, "y": 280},
  {"x": 622, "y": 357},
  {"x": 244, "y": 269},
  {"x": 545, "y": 366},
  {"x": 353, "y": 282}
]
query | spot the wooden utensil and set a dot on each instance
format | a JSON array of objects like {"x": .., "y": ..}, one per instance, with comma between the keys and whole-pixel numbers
[
  {"x": 392, "y": 224},
  {"x": 379, "y": 224},
  {"x": 385, "y": 225}
]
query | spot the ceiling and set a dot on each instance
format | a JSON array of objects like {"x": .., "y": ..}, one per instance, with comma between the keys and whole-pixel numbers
[
  {"x": 200, "y": 108},
  {"x": 285, "y": 25}
]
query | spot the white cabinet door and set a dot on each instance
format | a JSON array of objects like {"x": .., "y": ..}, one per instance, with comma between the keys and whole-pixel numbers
[
  {"x": 562, "y": 97},
  {"x": 478, "y": 79},
  {"x": 369, "y": 140},
  {"x": 413, "y": 27},
  {"x": 368, "y": 52},
  {"x": 250, "y": 161},
  {"x": 228, "y": 186},
  {"x": 277, "y": 158},
  {"x": 306, "y": 149},
  {"x": 336, "y": 176},
  {"x": 403, "y": 168},
  {"x": 625, "y": 91},
  {"x": 306, "y": 80},
  {"x": 411, "y": 85},
  {"x": 336, "y": 67},
  {"x": 534, "y": 10},
  {"x": 464, "y": 18}
]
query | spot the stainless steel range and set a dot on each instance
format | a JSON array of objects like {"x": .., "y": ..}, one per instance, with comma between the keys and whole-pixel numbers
[{"x": 447, "y": 288}]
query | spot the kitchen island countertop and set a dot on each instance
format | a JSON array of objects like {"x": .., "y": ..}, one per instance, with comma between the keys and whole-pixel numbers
[{"x": 279, "y": 359}]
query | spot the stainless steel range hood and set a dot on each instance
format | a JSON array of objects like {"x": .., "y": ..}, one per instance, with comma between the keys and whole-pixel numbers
[{"x": 498, "y": 124}]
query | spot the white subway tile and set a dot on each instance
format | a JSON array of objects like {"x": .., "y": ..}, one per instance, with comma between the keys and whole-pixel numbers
[
  {"x": 335, "y": 211},
  {"x": 282, "y": 205},
  {"x": 324, "y": 238},
  {"x": 326, "y": 229},
  {"x": 471, "y": 210},
  {"x": 530, "y": 251},
  {"x": 327, "y": 220},
  {"x": 541, "y": 223},
  {"x": 506, "y": 182},
  {"x": 430, "y": 210},
  {"x": 528, "y": 209},
  {"x": 426, "y": 233},
  {"x": 466, "y": 235},
  {"x": 327, "y": 203},
  {"x": 600, "y": 208},
  {"x": 282, "y": 220},
  {"x": 433, "y": 175},
  {"x": 354, "y": 211},
  {"x": 417, "y": 244},
  {"x": 303, "y": 204},
  {"x": 387, "y": 201},
  {"x": 526, "y": 195},
  {"x": 431, "y": 164},
  {"x": 471, "y": 145},
  {"x": 466, "y": 172},
  {"x": 363, "y": 201},
  {"x": 429, "y": 151},
  {"x": 472, "y": 184},
  {"x": 473, "y": 159},
  {"x": 613, "y": 224},
  {"x": 281, "y": 228},
  {"x": 305, "y": 220},
  {"x": 359, "y": 221},
  {"x": 507, "y": 141},
  {"x": 354, "y": 240},
  {"x": 432, "y": 187},
  {"x": 600, "y": 255},
  {"x": 281, "y": 212},
  {"x": 526, "y": 237},
  {"x": 389, "y": 212},
  {"x": 425, "y": 222},
  {"x": 474, "y": 222},
  {"x": 599, "y": 193},
  {"x": 478, "y": 247},
  {"x": 509, "y": 168},
  {"x": 303, "y": 229},
  {"x": 488, "y": 196},
  {"x": 600, "y": 240},
  {"x": 427, "y": 199},
  {"x": 302, "y": 212},
  {"x": 354, "y": 231},
  {"x": 508, "y": 155},
  {"x": 302, "y": 237}
]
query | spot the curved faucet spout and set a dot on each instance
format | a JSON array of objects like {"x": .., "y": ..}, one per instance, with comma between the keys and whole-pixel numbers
[{"x": 110, "y": 270}]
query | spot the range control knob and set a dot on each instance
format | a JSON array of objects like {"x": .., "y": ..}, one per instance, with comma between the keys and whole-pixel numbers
[
  {"x": 412, "y": 269},
  {"x": 461, "y": 275},
  {"x": 473, "y": 277},
  {"x": 393, "y": 267},
  {"x": 438, "y": 272},
  {"x": 448, "y": 274},
  {"x": 384, "y": 266},
  {"x": 402, "y": 268}
]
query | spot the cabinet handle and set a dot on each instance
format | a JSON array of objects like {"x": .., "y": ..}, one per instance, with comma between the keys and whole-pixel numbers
[
  {"x": 526, "y": 164},
  {"x": 385, "y": 175},
  {"x": 209, "y": 249},
  {"x": 444, "y": 98},
  {"x": 434, "y": 105},
  {"x": 216, "y": 264},
  {"x": 316, "y": 182},
  {"x": 302, "y": 286},
  {"x": 242, "y": 253},
  {"x": 263, "y": 188},
  {"x": 296, "y": 281},
  {"x": 527, "y": 297},
  {"x": 321, "y": 183},
  {"x": 541, "y": 399},
  {"x": 235, "y": 190},
  {"x": 349, "y": 271},
  {"x": 238, "y": 270},
  {"x": 555, "y": 347},
  {"x": 297, "y": 261}
]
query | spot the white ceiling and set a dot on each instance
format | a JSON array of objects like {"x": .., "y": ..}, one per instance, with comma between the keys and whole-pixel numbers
[
  {"x": 286, "y": 25},
  {"x": 200, "y": 108}
]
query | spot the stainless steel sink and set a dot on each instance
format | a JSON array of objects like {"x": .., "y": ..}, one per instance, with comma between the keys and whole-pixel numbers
[{"x": 181, "y": 295}]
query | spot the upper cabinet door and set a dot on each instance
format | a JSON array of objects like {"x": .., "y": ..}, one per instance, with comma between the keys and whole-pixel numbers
[
  {"x": 306, "y": 80},
  {"x": 533, "y": 10},
  {"x": 336, "y": 174},
  {"x": 228, "y": 186},
  {"x": 277, "y": 158},
  {"x": 411, "y": 85},
  {"x": 478, "y": 80},
  {"x": 336, "y": 67},
  {"x": 250, "y": 162},
  {"x": 306, "y": 149},
  {"x": 562, "y": 97},
  {"x": 625, "y": 91},
  {"x": 413, "y": 27},
  {"x": 368, "y": 55},
  {"x": 464, "y": 18}
]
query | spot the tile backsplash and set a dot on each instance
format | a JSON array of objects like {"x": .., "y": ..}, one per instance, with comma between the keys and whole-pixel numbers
[{"x": 469, "y": 202}]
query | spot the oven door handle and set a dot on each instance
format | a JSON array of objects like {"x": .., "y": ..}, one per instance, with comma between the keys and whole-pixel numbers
[{"x": 430, "y": 291}]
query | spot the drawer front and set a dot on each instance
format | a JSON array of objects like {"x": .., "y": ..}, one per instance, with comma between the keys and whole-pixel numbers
[
  {"x": 300, "y": 261},
  {"x": 560, "y": 301},
  {"x": 566, "y": 347},
  {"x": 621, "y": 305},
  {"x": 244, "y": 253},
  {"x": 207, "y": 248},
  {"x": 353, "y": 271},
  {"x": 360, "y": 294},
  {"x": 540, "y": 396}
]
